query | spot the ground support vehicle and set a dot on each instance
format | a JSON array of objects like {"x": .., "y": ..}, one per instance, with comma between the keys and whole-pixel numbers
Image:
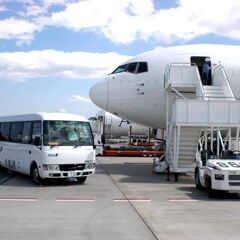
[{"x": 217, "y": 174}]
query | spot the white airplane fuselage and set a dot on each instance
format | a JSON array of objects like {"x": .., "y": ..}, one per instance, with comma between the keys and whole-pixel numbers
[{"x": 140, "y": 97}]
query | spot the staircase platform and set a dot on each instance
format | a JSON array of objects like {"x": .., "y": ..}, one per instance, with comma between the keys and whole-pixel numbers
[{"x": 195, "y": 112}]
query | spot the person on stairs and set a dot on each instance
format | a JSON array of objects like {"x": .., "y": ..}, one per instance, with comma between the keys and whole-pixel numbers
[{"x": 206, "y": 72}]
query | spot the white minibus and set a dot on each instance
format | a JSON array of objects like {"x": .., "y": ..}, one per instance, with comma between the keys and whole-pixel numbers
[{"x": 47, "y": 146}]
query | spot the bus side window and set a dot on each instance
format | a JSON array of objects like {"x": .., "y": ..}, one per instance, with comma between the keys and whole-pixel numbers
[
  {"x": 16, "y": 132},
  {"x": 27, "y": 128},
  {"x": 5, "y": 129},
  {"x": 36, "y": 131},
  {"x": 1, "y": 138}
]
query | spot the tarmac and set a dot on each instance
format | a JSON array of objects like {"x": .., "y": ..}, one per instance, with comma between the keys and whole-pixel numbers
[{"x": 124, "y": 199}]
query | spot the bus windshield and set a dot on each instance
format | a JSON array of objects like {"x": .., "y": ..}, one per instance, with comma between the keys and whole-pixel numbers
[{"x": 67, "y": 133}]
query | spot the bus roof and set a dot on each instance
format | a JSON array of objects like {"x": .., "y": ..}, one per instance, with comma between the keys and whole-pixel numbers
[{"x": 44, "y": 116}]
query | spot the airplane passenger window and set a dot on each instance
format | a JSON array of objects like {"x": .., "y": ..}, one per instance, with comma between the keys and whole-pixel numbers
[
  {"x": 142, "y": 67},
  {"x": 131, "y": 67},
  {"x": 120, "y": 69}
]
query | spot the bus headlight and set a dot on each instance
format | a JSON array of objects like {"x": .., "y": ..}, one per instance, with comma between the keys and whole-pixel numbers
[
  {"x": 219, "y": 176},
  {"x": 89, "y": 164},
  {"x": 51, "y": 167}
]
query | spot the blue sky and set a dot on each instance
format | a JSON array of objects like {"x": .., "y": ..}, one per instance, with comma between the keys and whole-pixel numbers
[{"x": 53, "y": 51}]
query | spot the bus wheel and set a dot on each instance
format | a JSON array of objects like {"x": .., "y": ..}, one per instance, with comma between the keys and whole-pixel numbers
[
  {"x": 35, "y": 176},
  {"x": 81, "y": 180}
]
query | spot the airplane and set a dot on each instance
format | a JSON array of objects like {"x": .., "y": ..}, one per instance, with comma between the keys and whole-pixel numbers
[
  {"x": 116, "y": 127},
  {"x": 135, "y": 89},
  {"x": 166, "y": 88}
]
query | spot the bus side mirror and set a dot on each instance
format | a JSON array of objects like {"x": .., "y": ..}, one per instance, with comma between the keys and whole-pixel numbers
[
  {"x": 94, "y": 146},
  {"x": 37, "y": 141}
]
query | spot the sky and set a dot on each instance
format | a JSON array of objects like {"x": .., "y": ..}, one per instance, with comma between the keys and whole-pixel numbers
[{"x": 53, "y": 51}]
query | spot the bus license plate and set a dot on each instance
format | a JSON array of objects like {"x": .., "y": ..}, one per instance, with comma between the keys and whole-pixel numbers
[{"x": 72, "y": 174}]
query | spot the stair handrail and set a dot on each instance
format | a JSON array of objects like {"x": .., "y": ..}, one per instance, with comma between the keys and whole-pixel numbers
[
  {"x": 199, "y": 83},
  {"x": 169, "y": 138},
  {"x": 228, "y": 83},
  {"x": 166, "y": 75},
  {"x": 184, "y": 65},
  {"x": 221, "y": 68}
]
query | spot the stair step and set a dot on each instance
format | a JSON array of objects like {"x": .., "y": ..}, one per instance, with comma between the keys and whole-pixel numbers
[
  {"x": 193, "y": 135},
  {"x": 188, "y": 146},
  {"x": 186, "y": 154},
  {"x": 215, "y": 94},
  {"x": 180, "y": 164},
  {"x": 188, "y": 138},
  {"x": 184, "y": 160},
  {"x": 221, "y": 89},
  {"x": 186, "y": 166},
  {"x": 213, "y": 87},
  {"x": 185, "y": 146},
  {"x": 220, "y": 98},
  {"x": 190, "y": 129}
]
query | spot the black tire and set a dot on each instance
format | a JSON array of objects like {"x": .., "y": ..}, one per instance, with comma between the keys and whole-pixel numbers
[
  {"x": 36, "y": 179},
  {"x": 81, "y": 180},
  {"x": 211, "y": 192},
  {"x": 3, "y": 169},
  {"x": 176, "y": 175},
  {"x": 197, "y": 180}
]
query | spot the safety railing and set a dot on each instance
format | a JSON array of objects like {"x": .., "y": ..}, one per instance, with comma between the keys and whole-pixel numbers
[
  {"x": 199, "y": 112},
  {"x": 220, "y": 78},
  {"x": 180, "y": 74}
]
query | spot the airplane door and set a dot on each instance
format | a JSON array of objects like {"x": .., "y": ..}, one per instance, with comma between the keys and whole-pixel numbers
[{"x": 199, "y": 61}]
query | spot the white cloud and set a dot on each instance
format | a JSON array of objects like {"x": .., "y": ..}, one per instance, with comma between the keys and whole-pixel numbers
[
  {"x": 22, "y": 30},
  {"x": 21, "y": 66},
  {"x": 62, "y": 110},
  {"x": 128, "y": 20},
  {"x": 77, "y": 98},
  {"x": 34, "y": 10},
  {"x": 3, "y": 9},
  {"x": 28, "y": 18},
  {"x": 125, "y": 21}
]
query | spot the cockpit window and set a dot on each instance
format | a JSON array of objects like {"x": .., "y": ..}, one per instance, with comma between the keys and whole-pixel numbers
[
  {"x": 131, "y": 67},
  {"x": 92, "y": 119},
  {"x": 135, "y": 67},
  {"x": 120, "y": 69},
  {"x": 142, "y": 67}
]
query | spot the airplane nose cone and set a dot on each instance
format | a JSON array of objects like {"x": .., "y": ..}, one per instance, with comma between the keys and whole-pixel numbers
[{"x": 99, "y": 94}]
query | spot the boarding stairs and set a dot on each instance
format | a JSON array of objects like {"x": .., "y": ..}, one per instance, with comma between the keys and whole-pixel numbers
[
  {"x": 215, "y": 92},
  {"x": 220, "y": 88},
  {"x": 192, "y": 107},
  {"x": 186, "y": 138}
]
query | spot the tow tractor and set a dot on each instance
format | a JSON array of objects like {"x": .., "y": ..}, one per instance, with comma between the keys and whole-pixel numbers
[{"x": 217, "y": 174}]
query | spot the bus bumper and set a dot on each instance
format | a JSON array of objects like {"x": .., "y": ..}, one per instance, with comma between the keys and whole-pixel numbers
[{"x": 66, "y": 174}]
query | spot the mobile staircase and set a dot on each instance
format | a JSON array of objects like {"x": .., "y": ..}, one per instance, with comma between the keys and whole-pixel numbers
[{"x": 193, "y": 110}]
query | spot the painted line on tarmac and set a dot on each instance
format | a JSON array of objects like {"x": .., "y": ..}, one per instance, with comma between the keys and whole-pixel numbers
[
  {"x": 132, "y": 200},
  {"x": 18, "y": 199},
  {"x": 75, "y": 200},
  {"x": 182, "y": 200}
]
